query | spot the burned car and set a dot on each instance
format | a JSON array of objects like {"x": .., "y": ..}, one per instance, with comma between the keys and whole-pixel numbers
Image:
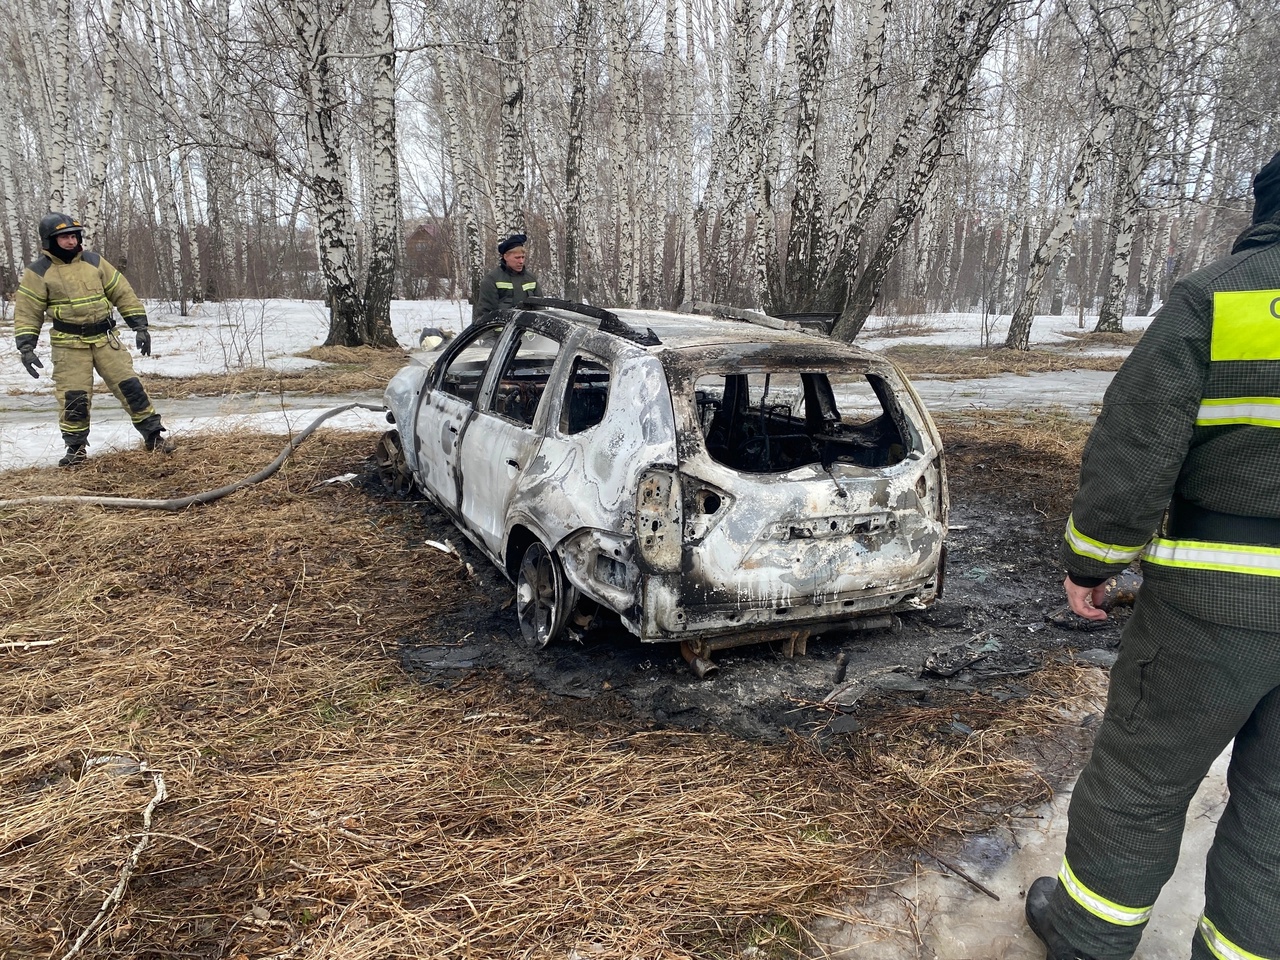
[{"x": 711, "y": 481}]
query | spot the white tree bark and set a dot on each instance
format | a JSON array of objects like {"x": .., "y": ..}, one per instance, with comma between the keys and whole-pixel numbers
[
  {"x": 573, "y": 164},
  {"x": 384, "y": 182},
  {"x": 95, "y": 200},
  {"x": 328, "y": 173},
  {"x": 1019, "y": 336},
  {"x": 462, "y": 165},
  {"x": 511, "y": 133},
  {"x": 60, "y": 191}
]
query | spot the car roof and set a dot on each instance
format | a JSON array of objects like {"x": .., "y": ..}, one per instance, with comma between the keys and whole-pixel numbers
[{"x": 663, "y": 331}]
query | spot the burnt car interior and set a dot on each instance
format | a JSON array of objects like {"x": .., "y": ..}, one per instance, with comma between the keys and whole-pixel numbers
[
  {"x": 586, "y": 397},
  {"x": 461, "y": 376},
  {"x": 774, "y": 422}
]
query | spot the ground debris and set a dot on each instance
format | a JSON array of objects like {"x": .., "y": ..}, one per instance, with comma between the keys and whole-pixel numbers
[{"x": 341, "y": 733}]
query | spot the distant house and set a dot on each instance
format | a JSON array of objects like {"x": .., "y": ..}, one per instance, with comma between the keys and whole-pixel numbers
[{"x": 429, "y": 271}]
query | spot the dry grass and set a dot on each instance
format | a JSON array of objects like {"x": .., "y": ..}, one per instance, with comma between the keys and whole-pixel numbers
[
  {"x": 345, "y": 370},
  {"x": 321, "y": 803},
  {"x": 966, "y": 363},
  {"x": 1033, "y": 459}
]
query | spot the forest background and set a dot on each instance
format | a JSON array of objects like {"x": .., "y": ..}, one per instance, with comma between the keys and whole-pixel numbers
[{"x": 837, "y": 156}]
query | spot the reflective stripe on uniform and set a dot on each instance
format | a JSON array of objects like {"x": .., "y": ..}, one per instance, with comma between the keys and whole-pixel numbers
[
  {"x": 1101, "y": 907},
  {"x": 1204, "y": 555},
  {"x": 1244, "y": 325},
  {"x": 504, "y": 284},
  {"x": 530, "y": 286},
  {"x": 1256, "y": 411},
  {"x": 1095, "y": 549},
  {"x": 1220, "y": 946}
]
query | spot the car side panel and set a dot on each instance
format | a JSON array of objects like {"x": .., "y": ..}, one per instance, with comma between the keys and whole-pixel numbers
[
  {"x": 579, "y": 491},
  {"x": 494, "y": 454}
]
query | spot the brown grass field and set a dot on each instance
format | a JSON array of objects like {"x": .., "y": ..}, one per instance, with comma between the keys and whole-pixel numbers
[{"x": 318, "y": 801}]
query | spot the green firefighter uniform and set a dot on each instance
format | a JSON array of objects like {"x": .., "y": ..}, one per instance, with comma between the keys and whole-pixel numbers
[
  {"x": 502, "y": 288},
  {"x": 1182, "y": 470},
  {"x": 77, "y": 297}
]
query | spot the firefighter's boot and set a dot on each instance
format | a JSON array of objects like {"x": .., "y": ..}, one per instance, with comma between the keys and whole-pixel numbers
[
  {"x": 76, "y": 454},
  {"x": 156, "y": 442},
  {"x": 1056, "y": 945}
]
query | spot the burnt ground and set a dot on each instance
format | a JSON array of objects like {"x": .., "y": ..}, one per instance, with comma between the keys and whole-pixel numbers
[{"x": 991, "y": 629}]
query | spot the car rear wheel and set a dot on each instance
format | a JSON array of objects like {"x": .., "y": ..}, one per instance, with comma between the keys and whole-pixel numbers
[{"x": 543, "y": 597}]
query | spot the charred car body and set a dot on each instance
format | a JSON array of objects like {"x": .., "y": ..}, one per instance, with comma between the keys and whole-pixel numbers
[{"x": 712, "y": 481}]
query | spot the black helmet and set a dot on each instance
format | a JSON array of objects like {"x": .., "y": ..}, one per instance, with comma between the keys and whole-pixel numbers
[{"x": 53, "y": 224}]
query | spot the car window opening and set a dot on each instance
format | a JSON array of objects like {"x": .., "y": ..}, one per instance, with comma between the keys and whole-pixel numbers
[
  {"x": 461, "y": 376},
  {"x": 524, "y": 377},
  {"x": 772, "y": 422},
  {"x": 586, "y": 397}
]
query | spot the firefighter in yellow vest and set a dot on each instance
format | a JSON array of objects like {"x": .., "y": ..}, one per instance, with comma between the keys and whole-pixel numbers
[
  {"x": 76, "y": 290},
  {"x": 1183, "y": 469},
  {"x": 509, "y": 283}
]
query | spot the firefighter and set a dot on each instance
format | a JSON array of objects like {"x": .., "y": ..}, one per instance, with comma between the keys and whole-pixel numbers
[
  {"x": 1183, "y": 467},
  {"x": 76, "y": 289},
  {"x": 509, "y": 283}
]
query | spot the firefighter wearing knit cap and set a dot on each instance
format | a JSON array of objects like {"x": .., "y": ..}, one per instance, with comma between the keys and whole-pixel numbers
[
  {"x": 1182, "y": 469},
  {"x": 508, "y": 284}
]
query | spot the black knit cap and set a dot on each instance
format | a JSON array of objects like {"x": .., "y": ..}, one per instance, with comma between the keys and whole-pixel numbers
[
  {"x": 511, "y": 242},
  {"x": 1266, "y": 191}
]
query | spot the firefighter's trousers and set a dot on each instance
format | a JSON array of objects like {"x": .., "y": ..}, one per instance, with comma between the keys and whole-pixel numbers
[
  {"x": 74, "y": 361},
  {"x": 1182, "y": 689}
]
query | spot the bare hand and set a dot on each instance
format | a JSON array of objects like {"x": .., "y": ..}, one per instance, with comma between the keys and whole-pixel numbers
[{"x": 1085, "y": 601}]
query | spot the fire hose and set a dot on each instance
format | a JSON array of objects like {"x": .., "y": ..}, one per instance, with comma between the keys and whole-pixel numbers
[{"x": 208, "y": 496}]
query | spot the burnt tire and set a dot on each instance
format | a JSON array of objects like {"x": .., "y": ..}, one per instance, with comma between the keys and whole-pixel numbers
[
  {"x": 393, "y": 469},
  {"x": 544, "y": 598}
]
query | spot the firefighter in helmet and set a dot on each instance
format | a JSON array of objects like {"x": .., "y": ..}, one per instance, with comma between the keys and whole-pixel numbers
[{"x": 76, "y": 290}]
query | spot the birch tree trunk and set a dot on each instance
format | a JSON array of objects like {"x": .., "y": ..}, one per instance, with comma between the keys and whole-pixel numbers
[
  {"x": 511, "y": 134},
  {"x": 328, "y": 175},
  {"x": 95, "y": 201},
  {"x": 10, "y": 208},
  {"x": 60, "y": 194},
  {"x": 171, "y": 225},
  {"x": 384, "y": 224},
  {"x": 462, "y": 165},
  {"x": 804, "y": 242},
  {"x": 691, "y": 263},
  {"x": 1128, "y": 200},
  {"x": 623, "y": 215},
  {"x": 971, "y": 35},
  {"x": 33, "y": 96},
  {"x": 845, "y": 210},
  {"x": 1144, "y": 104},
  {"x": 573, "y": 172},
  {"x": 1019, "y": 336},
  {"x": 768, "y": 273}
]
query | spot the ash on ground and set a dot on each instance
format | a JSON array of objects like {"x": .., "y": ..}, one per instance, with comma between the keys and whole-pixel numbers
[{"x": 994, "y": 625}]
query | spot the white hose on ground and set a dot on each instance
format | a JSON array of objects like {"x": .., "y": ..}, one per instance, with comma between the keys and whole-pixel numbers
[{"x": 208, "y": 496}]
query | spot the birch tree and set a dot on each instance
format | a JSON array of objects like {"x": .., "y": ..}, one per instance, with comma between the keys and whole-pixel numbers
[
  {"x": 511, "y": 135},
  {"x": 384, "y": 188},
  {"x": 1019, "y": 335},
  {"x": 966, "y": 44},
  {"x": 804, "y": 242},
  {"x": 574, "y": 160},
  {"x": 60, "y": 80}
]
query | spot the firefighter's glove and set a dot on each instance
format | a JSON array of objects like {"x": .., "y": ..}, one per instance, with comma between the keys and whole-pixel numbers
[
  {"x": 143, "y": 339},
  {"x": 30, "y": 360}
]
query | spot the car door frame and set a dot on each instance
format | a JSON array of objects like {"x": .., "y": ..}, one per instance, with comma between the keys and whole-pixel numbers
[
  {"x": 496, "y": 451},
  {"x": 435, "y": 445}
]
